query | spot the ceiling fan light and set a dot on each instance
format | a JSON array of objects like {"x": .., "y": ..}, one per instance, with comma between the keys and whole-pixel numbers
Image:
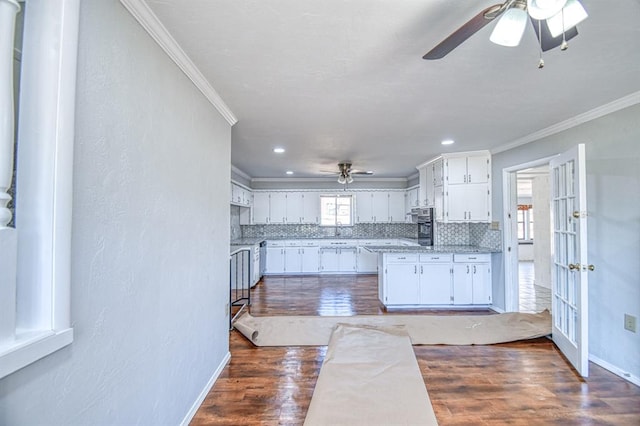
[
  {"x": 342, "y": 179},
  {"x": 544, "y": 9},
  {"x": 510, "y": 28},
  {"x": 572, "y": 14},
  {"x": 349, "y": 179}
]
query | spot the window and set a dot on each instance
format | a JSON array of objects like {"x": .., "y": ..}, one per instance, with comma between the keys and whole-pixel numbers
[
  {"x": 39, "y": 322},
  {"x": 336, "y": 210},
  {"x": 525, "y": 222}
]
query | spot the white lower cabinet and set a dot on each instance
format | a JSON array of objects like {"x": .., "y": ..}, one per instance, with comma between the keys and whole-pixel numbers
[
  {"x": 310, "y": 259},
  {"x": 292, "y": 260},
  {"x": 367, "y": 262},
  {"x": 472, "y": 279},
  {"x": 462, "y": 284},
  {"x": 275, "y": 260},
  {"x": 292, "y": 257},
  {"x": 399, "y": 279},
  {"x": 337, "y": 260},
  {"x": 405, "y": 290},
  {"x": 435, "y": 279}
]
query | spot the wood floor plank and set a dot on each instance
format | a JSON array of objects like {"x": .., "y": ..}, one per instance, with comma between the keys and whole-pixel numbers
[{"x": 519, "y": 383}]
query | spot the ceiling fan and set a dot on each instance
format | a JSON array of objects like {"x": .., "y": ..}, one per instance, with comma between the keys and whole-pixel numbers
[
  {"x": 345, "y": 172},
  {"x": 554, "y": 22}
]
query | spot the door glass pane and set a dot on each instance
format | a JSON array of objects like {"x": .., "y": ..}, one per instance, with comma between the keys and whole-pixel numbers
[{"x": 570, "y": 178}]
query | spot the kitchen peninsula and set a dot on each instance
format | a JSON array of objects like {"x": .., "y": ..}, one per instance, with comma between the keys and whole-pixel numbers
[{"x": 438, "y": 277}]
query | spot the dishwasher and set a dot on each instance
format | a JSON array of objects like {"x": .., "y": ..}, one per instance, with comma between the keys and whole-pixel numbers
[{"x": 263, "y": 259}]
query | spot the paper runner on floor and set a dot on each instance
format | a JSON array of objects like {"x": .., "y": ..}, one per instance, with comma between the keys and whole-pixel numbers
[
  {"x": 370, "y": 376},
  {"x": 422, "y": 329}
]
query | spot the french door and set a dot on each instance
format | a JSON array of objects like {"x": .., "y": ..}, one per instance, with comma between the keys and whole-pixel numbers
[{"x": 569, "y": 269}]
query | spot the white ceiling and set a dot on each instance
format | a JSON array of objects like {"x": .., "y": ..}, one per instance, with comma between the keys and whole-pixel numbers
[{"x": 345, "y": 80}]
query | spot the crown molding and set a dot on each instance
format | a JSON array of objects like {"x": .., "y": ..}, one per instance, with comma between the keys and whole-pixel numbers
[
  {"x": 239, "y": 172},
  {"x": 326, "y": 179},
  {"x": 601, "y": 111},
  {"x": 140, "y": 10}
]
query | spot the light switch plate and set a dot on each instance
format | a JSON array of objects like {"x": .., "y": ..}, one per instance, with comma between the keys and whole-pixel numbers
[
  {"x": 495, "y": 226},
  {"x": 630, "y": 323}
]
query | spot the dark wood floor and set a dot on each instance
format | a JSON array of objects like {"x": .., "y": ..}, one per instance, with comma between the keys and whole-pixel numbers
[{"x": 521, "y": 383}]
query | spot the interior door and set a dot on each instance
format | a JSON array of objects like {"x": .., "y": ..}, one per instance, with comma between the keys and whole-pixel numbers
[{"x": 569, "y": 269}]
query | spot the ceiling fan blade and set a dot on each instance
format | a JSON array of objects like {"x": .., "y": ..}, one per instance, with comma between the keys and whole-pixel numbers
[
  {"x": 472, "y": 26},
  {"x": 548, "y": 41},
  {"x": 360, "y": 172}
]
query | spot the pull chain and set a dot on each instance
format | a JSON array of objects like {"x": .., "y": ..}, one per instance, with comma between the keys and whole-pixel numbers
[
  {"x": 541, "y": 61},
  {"x": 564, "y": 44}
]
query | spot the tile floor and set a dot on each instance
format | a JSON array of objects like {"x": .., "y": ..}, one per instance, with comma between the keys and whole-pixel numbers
[{"x": 533, "y": 298}]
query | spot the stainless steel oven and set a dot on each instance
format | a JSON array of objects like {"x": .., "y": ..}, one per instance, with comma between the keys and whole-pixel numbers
[{"x": 425, "y": 227}]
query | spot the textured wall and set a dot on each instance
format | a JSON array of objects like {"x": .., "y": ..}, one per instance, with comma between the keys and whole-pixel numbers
[
  {"x": 150, "y": 241},
  {"x": 613, "y": 203}
]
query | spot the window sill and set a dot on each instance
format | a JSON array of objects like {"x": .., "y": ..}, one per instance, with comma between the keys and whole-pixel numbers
[{"x": 31, "y": 346}]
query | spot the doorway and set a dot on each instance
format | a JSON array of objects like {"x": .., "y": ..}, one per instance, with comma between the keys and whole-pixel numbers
[
  {"x": 527, "y": 237},
  {"x": 533, "y": 234}
]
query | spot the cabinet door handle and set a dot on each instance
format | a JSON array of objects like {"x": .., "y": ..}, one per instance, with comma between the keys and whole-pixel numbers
[
  {"x": 467, "y": 269},
  {"x": 421, "y": 270},
  {"x": 474, "y": 269},
  {"x": 415, "y": 269},
  {"x": 469, "y": 178}
]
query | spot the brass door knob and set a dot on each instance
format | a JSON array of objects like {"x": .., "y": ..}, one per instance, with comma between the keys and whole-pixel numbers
[
  {"x": 592, "y": 268},
  {"x": 576, "y": 215},
  {"x": 574, "y": 266}
]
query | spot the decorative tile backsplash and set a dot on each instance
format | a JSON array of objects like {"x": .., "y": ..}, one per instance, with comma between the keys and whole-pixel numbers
[
  {"x": 474, "y": 234},
  {"x": 236, "y": 231},
  {"x": 361, "y": 230}
]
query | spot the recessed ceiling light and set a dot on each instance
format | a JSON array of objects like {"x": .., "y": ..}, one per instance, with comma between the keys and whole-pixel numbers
[
  {"x": 289, "y": 172},
  {"x": 447, "y": 142},
  {"x": 278, "y": 150}
]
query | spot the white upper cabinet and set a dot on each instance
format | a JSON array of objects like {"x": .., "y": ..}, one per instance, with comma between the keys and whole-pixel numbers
[
  {"x": 380, "y": 207},
  {"x": 412, "y": 199},
  {"x": 458, "y": 186},
  {"x": 364, "y": 207},
  {"x": 431, "y": 177},
  {"x": 261, "y": 208},
  {"x": 310, "y": 207},
  {"x": 278, "y": 207},
  {"x": 286, "y": 207},
  {"x": 468, "y": 169},
  {"x": 295, "y": 207},
  {"x": 397, "y": 212},
  {"x": 241, "y": 196}
]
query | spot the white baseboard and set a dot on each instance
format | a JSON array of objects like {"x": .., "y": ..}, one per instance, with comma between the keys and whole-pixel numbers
[
  {"x": 194, "y": 408},
  {"x": 615, "y": 370},
  {"x": 496, "y": 309}
]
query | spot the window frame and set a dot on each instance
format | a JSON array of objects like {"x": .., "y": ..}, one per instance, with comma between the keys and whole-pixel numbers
[
  {"x": 336, "y": 223},
  {"x": 527, "y": 223},
  {"x": 44, "y": 183}
]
